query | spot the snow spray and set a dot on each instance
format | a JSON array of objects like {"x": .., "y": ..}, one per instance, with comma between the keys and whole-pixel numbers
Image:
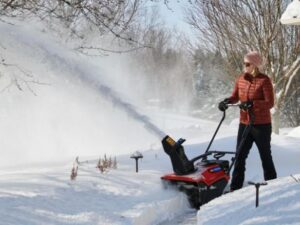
[
  {"x": 130, "y": 110},
  {"x": 114, "y": 97},
  {"x": 86, "y": 74},
  {"x": 79, "y": 67},
  {"x": 91, "y": 76}
]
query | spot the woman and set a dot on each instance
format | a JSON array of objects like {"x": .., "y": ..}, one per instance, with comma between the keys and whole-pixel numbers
[{"x": 254, "y": 90}]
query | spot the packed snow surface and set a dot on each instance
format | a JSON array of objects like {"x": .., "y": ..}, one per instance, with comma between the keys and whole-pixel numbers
[{"x": 73, "y": 107}]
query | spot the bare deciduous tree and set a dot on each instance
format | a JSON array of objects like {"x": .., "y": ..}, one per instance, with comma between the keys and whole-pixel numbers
[
  {"x": 112, "y": 17},
  {"x": 237, "y": 26},
  {"x": 107, "y": 16},
  {"x": 18, "y": 77}
]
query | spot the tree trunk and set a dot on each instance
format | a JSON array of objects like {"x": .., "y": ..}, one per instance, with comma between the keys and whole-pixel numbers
[{"x": 276, "y": 120}]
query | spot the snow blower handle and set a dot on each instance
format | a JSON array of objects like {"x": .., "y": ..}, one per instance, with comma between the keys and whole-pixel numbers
[
  {"x": 216, "y": 154},
  {"x": 213, "y": 137},
  {"x": 220, "y": 123}
]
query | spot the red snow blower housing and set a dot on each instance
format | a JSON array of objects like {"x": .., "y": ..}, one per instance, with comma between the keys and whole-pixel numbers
[{"x": 205, "y": 179}]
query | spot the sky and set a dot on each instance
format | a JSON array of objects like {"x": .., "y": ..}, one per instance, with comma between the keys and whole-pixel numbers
[{"x": 174, "y": 16}]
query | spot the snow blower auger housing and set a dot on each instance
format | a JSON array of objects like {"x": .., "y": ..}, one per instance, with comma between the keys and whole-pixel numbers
[
  {"x": 204, "y": 180},
  {"x": 181, "y": 164}
]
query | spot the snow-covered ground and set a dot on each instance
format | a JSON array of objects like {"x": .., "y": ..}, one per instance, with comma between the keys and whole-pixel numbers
[
  {"x": 278, "y": 204},
  {"x": 78, "y": 110}
]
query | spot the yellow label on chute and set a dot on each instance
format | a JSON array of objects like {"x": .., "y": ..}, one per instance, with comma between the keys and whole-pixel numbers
[{"x": 170, "y": 141}]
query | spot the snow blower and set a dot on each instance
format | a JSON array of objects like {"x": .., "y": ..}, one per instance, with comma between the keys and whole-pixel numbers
[{"x": 204, "y": 177}]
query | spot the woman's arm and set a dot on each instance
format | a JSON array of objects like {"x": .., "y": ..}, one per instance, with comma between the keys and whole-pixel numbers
[{"x": 268, "y": 93}]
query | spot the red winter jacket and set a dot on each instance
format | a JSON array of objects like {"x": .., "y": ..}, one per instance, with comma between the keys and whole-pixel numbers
[{"x": 258, "y": 89}]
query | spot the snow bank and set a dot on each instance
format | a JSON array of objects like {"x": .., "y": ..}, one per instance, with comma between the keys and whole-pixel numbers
[{"x": 279, "y": 204}]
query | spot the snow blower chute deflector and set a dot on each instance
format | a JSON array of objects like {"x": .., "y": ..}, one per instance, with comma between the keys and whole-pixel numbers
[{"x": 206, "y": 179}]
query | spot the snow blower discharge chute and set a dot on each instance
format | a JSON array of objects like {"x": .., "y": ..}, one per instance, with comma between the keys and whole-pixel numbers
[{"x": 204, "y": 177}]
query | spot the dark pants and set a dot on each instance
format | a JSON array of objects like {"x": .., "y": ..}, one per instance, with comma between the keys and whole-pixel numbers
[{"x": 261, "y": 135}]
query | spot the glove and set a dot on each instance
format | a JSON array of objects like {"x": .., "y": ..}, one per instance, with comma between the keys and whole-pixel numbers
[
  {"x": 246, "y": 105},
  {"x": 223, "y": 105}
]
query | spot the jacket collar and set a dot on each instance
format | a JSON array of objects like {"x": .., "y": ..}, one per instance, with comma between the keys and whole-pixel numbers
[{"x": 249, "y": 77}]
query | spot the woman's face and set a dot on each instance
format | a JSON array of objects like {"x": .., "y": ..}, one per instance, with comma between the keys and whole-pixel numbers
[{"x": 248, "y": 67}]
